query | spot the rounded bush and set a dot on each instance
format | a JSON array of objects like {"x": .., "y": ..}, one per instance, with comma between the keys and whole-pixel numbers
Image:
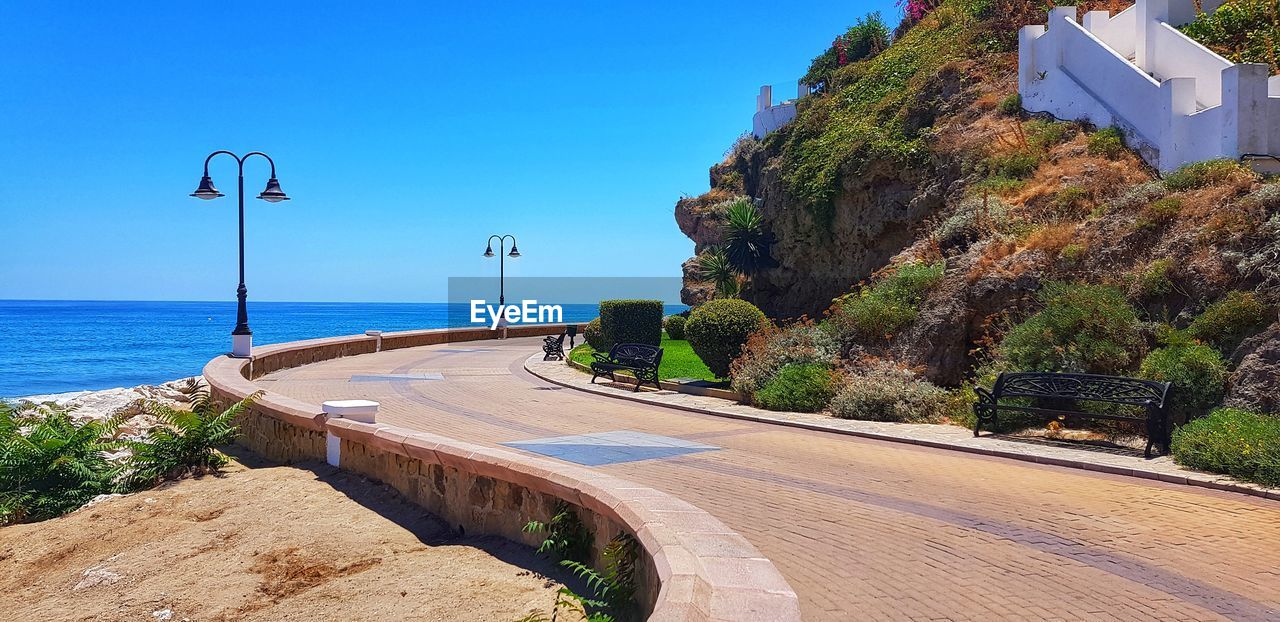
[
  {"x": 631, "y": 321},
  {"x": 1082, "y": 328},
  {"x": 1224, "y": 324},
  {"x": 675, "y": 327},
  {"x": 1196, "y": 372},
  {"x": 1239, "y": 443},
  {"x": 595, "y": 336},
  {"x": 802, "y": 387},
  {"x": 717, "y": 329}
]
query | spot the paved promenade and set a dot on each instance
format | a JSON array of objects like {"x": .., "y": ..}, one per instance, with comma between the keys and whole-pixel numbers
[{"x": 862, "y": 529}]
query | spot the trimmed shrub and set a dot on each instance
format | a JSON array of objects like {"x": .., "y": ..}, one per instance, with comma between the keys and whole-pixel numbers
[
  {"x": 1108, "y": 142},
  {"x": 1011, "y": 105},
  {"x": 595, "y": 337},
  {"x": 1225, "y": 323},
  {"x": 769, "y": 350},
  {"x": 717, "y": 330},
  {"x": 883, "y": 309},
  {"x": 1239, "y": 443},
  {"x": 798, "y": 387},
  {"x": 631, "y": 321},
  {"x": 1082, "y": 328},
  {"x": 887, "y": 392},
  {"x": 1201, "y": 174},
  {"x": 1196, "y": 372},
  {"x": 675, "y": 326}
]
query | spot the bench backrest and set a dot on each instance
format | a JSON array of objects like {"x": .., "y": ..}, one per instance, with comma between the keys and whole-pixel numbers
[
  {"x": 1090, "y": 387},
  {"x": 556, "y": 340},
  {"x": 636, "y": 353}
]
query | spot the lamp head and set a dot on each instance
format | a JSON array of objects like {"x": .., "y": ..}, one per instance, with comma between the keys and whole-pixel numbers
[
  {"x": 488, "y": 250},
  {"x": 272, "y": 193},
  {"x": 206, "y": 190},
  {"x": 514, "y": 251}
]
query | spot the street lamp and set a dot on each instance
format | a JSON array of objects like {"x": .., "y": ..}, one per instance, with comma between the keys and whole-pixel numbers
[
  {"x": 488, "y": 252},
  {"x": 241, "y": 337}
]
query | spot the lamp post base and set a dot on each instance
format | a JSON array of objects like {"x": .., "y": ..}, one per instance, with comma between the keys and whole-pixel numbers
[{"x": 241, "y": 346}]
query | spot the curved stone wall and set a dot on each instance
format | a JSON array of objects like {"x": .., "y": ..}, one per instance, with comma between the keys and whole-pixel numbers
[{"x": 693, "y": 567}]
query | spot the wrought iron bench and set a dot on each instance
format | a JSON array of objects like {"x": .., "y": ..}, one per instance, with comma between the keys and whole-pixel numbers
[
  {"x": 553, "y": 348},
  {"x": 640, "y": 359},
  {"x": 1048, "y": 390}
]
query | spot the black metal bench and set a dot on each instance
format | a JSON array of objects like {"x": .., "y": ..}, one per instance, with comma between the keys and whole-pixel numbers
[
  {"x": 553, "y": 348},
  {"x": 1050, "y": 389},
  {"x": 637, "y": 358}
]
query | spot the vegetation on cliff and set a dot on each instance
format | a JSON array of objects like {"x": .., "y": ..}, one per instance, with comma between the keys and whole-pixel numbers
[{"x": 939, "y": 233}]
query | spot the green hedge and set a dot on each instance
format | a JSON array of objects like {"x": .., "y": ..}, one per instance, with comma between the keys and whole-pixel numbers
[
  {"x": 631, "y": 321},
  {"x": 1239, "y": 443},
  {"x": 1225, "y": 323},
  {"x": 718, "y": 328},
  {"x": 675, "y": 326}
]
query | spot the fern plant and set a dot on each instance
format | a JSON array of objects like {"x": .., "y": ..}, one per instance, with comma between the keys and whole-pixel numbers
[
  {"x": 185, "y": 443},
  {"x": 51, "y": 465},
  {"x": 567, "y": 537}
]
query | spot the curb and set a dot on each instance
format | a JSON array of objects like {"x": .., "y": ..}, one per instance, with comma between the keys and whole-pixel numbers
[{"x": 1227, "y": 486}]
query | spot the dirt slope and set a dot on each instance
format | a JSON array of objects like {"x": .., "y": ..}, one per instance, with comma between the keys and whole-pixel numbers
[{"x": 265, "y": 543}]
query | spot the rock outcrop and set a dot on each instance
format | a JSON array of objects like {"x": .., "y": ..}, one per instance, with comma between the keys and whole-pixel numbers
[{"x": 1255, "y": 384}]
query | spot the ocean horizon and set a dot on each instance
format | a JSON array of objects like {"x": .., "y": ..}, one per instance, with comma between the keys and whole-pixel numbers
[{"x": 60, "y": 346}]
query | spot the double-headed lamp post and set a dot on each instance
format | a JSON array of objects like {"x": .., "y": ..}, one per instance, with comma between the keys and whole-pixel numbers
[
  {"x": 241, "y": 337},
  {"x": 488, "y": 252}
]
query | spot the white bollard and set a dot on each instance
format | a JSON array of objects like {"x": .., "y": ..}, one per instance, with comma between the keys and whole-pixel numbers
[{"x": 364, "y": 411}]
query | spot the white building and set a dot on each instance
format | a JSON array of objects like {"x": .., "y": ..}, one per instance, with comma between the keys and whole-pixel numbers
[
  {"x": 769, "y": 117},
  {"x": 1175, "y": 100}
]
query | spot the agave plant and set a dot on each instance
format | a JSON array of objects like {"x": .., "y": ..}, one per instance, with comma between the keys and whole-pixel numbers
[
  {"x": 185, "y": 443},
  {"x": 714, "y": 266},
  {"x": 51, "y": 465},
  {"x": 746, "y": 240}
]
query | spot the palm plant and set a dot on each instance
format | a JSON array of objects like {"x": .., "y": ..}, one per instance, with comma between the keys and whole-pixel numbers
[
  {"x": 185, "y": 443},
  {"x": 746, "y": 240},
  {"x": 714, "y": 266},
  {"x": 51, "y": 465}
]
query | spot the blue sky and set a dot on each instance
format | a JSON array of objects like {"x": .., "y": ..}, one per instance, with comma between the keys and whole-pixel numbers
[{"x": 406, "y": 133}]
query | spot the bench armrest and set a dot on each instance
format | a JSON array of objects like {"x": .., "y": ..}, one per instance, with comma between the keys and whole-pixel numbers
[
  {"x": 603, "y": 358},
  {"x": 984, "y": 395}
]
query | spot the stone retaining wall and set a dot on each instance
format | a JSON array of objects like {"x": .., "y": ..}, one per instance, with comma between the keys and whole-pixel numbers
[{"x": 693, "y": 567}]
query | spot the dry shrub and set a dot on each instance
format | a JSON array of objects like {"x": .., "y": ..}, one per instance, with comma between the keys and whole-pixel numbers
[
  {"x": 988, "y": 263},
  {"x": 1051, "y": 238}
]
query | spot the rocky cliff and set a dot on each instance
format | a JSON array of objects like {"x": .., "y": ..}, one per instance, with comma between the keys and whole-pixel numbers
[{"x": 924, "y": 154}]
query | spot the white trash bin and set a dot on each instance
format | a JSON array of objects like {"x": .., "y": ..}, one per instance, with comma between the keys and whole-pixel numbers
[{"x": 364, "y": 411}]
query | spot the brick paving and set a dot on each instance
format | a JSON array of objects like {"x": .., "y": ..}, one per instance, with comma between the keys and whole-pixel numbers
[{"x": 862, "y": 528}]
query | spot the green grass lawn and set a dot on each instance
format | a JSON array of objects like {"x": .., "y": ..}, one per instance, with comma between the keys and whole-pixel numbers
[{"x": 678, "y": 360}]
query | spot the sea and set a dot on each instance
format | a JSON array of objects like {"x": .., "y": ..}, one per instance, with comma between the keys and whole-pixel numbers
[{"x": 49, "y": 346}]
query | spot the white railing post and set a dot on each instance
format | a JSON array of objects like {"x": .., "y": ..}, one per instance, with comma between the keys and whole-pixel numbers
[
  {"x": 1027, "y": 69},
  {"x": 1150, "y": 14},
  {"x": 1244, "y": 108},
  {"x": 1178, "y": 100}
]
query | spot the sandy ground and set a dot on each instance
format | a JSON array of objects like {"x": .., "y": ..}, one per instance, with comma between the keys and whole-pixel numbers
[{"x": 263, "y": 543}]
